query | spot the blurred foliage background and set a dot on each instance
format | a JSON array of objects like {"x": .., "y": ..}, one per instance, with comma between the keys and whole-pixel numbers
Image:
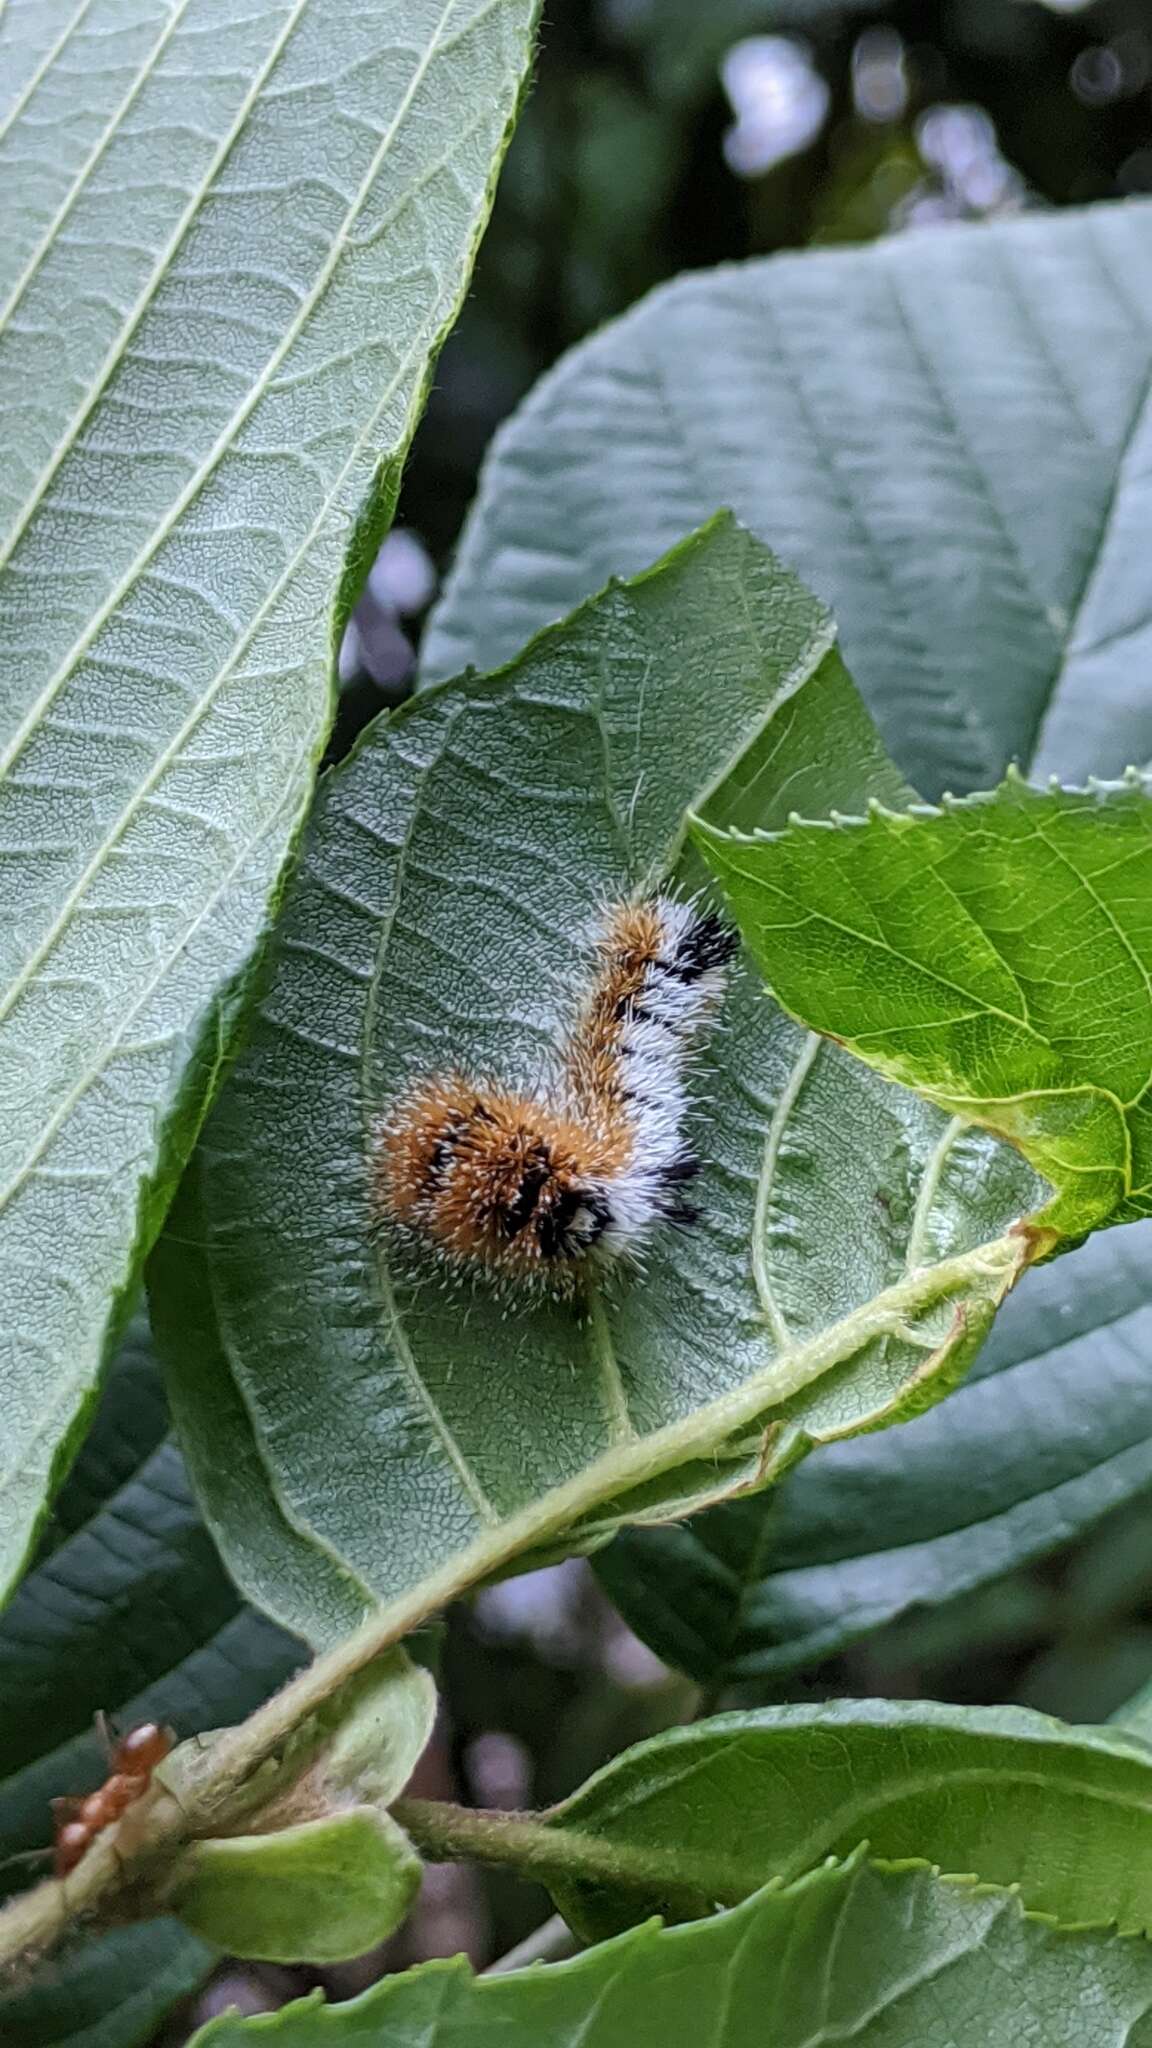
[
  {"x": 664, "y": 135},
  {"x": 669, "y": 135}
]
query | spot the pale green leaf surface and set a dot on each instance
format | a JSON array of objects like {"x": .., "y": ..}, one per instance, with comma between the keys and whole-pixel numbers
[
  {"x": 221, "y": 286},
  {"x": 1053, "y": 1428},
  {"x": 896, "y": 1959},
  {"x": 998, "y": 1793},
  {"x": 996, "y": 955},
  {"x": 382, "y": 1724},
  {"x": 452, "y": 875},
  {"x": 286, "y": 1573}
]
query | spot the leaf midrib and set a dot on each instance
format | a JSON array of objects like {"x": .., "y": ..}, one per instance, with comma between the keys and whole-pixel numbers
[
  {"x": 730, "y": 1877},
  {"x": 806, "y": 1057}
]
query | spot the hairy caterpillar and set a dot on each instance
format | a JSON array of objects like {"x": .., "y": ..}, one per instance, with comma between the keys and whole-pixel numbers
[{"x": 530, "y": 1187}]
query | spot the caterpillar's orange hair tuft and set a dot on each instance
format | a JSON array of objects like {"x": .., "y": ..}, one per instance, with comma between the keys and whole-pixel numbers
[{"x": 529, "y": 1187}]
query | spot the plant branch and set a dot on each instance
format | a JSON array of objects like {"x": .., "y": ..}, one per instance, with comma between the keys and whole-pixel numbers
[
  {"x": 130, "y": 1868},
  {"x": 456, "y": 1834}
]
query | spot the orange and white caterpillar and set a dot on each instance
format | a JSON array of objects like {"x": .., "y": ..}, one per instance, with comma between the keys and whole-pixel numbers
[{"x": 530, "y": 1187}]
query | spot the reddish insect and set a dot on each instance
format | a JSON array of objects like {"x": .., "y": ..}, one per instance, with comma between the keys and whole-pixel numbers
[
  {"x": 534, "y": 1188},
  {"x": 78, "y": 1821}
]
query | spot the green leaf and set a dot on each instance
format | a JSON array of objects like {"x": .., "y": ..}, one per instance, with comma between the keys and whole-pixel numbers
[
  {"x": 994, "y": 955},
  {"x": 947, "y": 435},
  {"x": 287, "y": 1575},
  {"x": 997, "y": 1793},
  {"x": 1052, "y": 1430},
  {"x": 381, "y": 1725},
  {"x": 110, "y": 1993},
  {"x": 247, "y": 265},
  {"x": 131, "y": 1613},
  {"x": 976, "y": 535},
  {"x": 425, "y": 1438},
  {"x": 316, "y": 1893},
  {"x": 896, "y": 1959},
  {"x": 972, "y": 533}
]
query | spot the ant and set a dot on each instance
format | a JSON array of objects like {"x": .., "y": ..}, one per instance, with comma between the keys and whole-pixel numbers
[{"x": 133, "y": 1759}]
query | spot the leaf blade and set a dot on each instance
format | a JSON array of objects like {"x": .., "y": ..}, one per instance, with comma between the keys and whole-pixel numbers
[
  {"x": 165, "y": 678},
  {"x": 849, "y": 1951},
  {"x": 994, "y": 955},
  {"x": 999, "y": 1794},
  {"x": 966, "y": 530}
]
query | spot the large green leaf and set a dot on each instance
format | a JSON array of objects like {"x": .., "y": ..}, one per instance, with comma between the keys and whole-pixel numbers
[
  {"x": 425, "y": 1437},
  {"x": 996, "y": 955},
  {"x": 129, "y": 1613},
  {"x": 896, "y": 1959},
  {"x": 1006, "y": 1796},
  {"x": 948, "y": 435},
  {"x": 681, "y": 44},
  {"x": 221, "y": 288},
  {"x": 1055, "y": 1429}
]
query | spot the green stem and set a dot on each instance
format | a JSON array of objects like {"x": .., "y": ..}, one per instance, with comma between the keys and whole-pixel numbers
[
  {"x": 465, "y": 1834},
  {"x": 132, "y": 1868}
]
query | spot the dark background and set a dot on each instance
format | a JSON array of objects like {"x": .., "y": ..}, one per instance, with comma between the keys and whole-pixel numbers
[{"x": 664, "y": 135}]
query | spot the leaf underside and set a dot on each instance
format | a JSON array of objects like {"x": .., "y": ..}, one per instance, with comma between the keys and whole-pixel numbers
[
  {"x": 204, "y": 413},
  {"x": 978, "y": 536},
  {"x": 897, "y": 1958},
  {"x": 978, "y": 532}
]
